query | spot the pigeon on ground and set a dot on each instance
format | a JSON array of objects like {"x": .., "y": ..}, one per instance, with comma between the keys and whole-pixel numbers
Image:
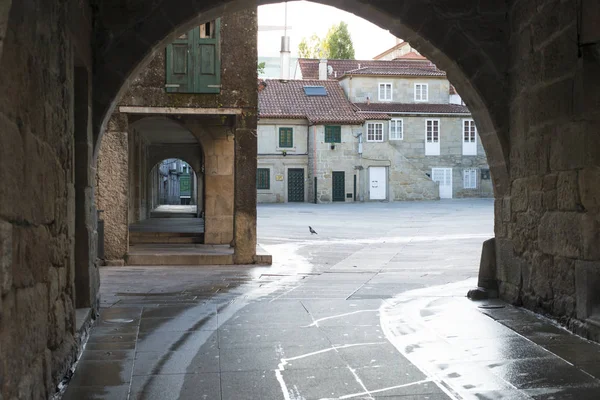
[{"x": 312, "y": 231}]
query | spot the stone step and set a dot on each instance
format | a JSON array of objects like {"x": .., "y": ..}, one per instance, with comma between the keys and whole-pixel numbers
[
  {"x": 188, "y": 254},
  {"x": 165, "y": 238},
  {"x": 159, "y": 214},
  {"x": 178, "y": 259},
  {"x": 179, "y": 254}
]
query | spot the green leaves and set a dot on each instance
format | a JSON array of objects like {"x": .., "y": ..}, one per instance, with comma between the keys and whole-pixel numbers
[{"x": 337, "y": 44}]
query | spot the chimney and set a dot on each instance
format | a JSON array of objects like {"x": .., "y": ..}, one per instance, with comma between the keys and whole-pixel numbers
[
  {"x": 285, "y": 57},
  {"x": 323, "y": 69}
]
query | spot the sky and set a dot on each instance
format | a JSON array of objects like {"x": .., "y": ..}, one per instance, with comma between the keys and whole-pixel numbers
[{"x": 307, "y": 18}]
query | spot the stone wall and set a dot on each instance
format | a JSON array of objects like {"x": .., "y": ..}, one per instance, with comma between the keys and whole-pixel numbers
[
  {"x": 112, "y": 190},
  {"x": 359, "y": 88},
  {"x": 451, "y": 152},
  {"x": 547, "y": 227},
  {"x": 42, "y": 44},
  {"x": 270, "y": 156}
]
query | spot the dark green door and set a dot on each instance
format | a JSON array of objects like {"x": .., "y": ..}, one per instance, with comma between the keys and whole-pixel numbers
[
  {"x": 338, "y": 186},
  {"x": 296, "y": 185}
]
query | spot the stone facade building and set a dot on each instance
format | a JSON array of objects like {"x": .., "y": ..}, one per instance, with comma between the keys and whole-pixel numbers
[
  {"x": 180, "y": 107},
  {"x": 527, "y": 70},
  {"x": 392, "y": 143}
]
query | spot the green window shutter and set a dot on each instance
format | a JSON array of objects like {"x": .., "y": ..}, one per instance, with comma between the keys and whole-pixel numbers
[
  {"x": 286, "y": 137},
  {"x": 263, "y": 178},
  {"x": 193, "y": 63},
  {"x": 208, "y": 61},
  {"x": 179, "y": 64},
  {"x": 333, "y": 134}
]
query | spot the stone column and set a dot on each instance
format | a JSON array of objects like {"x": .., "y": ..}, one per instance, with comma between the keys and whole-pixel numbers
[
  {"x": 112, "y": 191},
  {"x": 86, "y": 273},
  {"x": 245, "y": 191},
  {"x": 219, "y": 181}
]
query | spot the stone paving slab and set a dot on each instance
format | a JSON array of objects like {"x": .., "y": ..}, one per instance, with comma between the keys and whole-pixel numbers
[{"x": 303, "y": 330}]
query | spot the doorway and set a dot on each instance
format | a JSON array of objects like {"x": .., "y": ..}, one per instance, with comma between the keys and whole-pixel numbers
[
  {"x": 443, "y": 176},
  {"x": 296, "y": 185}
]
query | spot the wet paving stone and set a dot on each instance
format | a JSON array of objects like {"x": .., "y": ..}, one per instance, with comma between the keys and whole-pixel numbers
[
  {"x": 202, "y": 322},
  {"x": 175, "y": 340},
  {"x": 102, "y": 373},
  {"x": 107, "y": 355},
  {"x": 177, "y": 362},
  {"x": 539, "y": 373},
  {"x": 229, "y": 337},
  {"x": 250, "y": 385},
  {"x": 205, "y": 386},
  {"x": 97, "y": 393},
  {"x": 396, "y": 326}
]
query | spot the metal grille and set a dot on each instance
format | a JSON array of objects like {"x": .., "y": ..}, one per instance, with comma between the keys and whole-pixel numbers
[
  {"x": 296, "y": 185},
  {"x": 338, "y": 186},
  {"x": 263, "y": 178}
]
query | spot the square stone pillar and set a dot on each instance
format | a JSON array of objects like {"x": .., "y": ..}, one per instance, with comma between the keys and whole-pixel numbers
[{"x": 245, "y": 191}]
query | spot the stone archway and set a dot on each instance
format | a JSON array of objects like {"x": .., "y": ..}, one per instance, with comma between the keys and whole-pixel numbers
[{"x": 449, "y": 35}]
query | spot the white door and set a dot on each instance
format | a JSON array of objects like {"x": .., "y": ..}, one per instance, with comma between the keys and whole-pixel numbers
[
  {"x": 444, "y": 177},
  {"x": 377, "y": 183}
]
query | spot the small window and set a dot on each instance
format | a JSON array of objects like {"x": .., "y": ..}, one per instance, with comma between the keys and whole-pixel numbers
[
  {"x": 263, "y": 178},
  {"x": 433, "y": 131},
  {"x": 333, "y": 134},
  {"x": 315, "y": 91},
  {"x": 286, "y": 137},
  {"x": 469, "y": 138},
  {"x": 469, "y": 131},
  {"x": 396, "y": 129},
  {"x": 470, "y": 178},
  {"x": 207, "y": 30},
  {"x": 385, "y": 92},
  {"x": 374, "y": 132},
  {"x": 421, "y": 92}
]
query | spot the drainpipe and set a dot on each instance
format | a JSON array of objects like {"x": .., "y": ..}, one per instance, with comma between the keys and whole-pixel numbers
[{"x": 315, "y": 161}]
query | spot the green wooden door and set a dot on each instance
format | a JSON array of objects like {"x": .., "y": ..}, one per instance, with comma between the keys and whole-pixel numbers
[
  {"x": 338, "y": 186},
  {"x": 193, "y": 61},
  {"x": 296, "y": 185}
]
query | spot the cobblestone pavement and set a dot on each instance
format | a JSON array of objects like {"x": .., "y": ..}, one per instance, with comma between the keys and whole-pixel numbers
[{"x": 371, "y": 307}]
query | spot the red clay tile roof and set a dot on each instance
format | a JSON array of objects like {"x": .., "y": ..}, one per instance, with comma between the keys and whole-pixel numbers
[
  {"x": 422, "y": 108},
  {"x": 286, "y": 99},
  {"x": 373, "y": 115},
  {"x": 310, "y": 66},
  {"x": 397, "y": 71}
]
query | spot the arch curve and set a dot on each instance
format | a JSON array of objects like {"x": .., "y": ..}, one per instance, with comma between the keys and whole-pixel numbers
[{"x": 448, "y": 33}]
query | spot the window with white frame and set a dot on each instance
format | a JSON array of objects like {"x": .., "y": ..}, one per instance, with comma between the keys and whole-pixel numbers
[
  {"x": 470, "y": 178},
  {"x": 421, "y": 92},
  {"x": 374, "y": 132},
  {"x": 432, "y": 137},
  {"x": 396, "y": 129},
  {"x": 469, "y": 138},
  {"x": 385, "y": 92}
]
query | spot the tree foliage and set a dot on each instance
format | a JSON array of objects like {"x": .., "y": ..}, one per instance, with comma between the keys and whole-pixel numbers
[
  {"x": 337, "y": 44},
  {"x": 261, "y": 68}
]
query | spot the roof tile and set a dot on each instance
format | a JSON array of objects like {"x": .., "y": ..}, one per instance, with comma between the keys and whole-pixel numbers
[
  {"x": 424, "y": 108},
  {"x": 310, "y": 66},
  {"x": 287, "y": 99}
]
